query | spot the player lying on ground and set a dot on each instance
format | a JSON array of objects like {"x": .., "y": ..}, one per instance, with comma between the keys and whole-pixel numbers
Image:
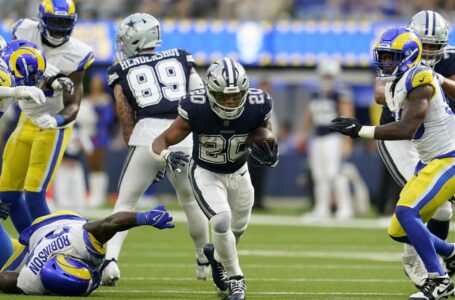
[{"x": 61, "y": 253}]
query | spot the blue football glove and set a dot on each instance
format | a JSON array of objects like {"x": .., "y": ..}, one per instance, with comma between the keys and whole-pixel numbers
[
  {"x": 4, "y": 210},
  {"x": 157, "y": 217},
  {"x": 159, "y": 176},
  {"x": 175, "y": 160},
  {"x": 264, "y": 155}
]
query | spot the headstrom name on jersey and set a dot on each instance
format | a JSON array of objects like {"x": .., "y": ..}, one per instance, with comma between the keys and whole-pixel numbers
[{"x": 131, "y": 62}]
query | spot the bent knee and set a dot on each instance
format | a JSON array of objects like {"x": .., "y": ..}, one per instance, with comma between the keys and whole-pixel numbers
[
  {"x": 221, "y": 223},
  {"x": 444, "y": 212}
]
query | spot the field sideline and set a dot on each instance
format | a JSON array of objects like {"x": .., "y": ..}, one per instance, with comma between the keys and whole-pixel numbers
[{"x": 328, "y": 261}]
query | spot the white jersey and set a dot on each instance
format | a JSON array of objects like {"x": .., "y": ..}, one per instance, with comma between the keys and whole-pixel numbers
[
  {"x": 72, "y": 56},
  {"x": 58, "y": 233},
  {"x": 436, "y": 136}
]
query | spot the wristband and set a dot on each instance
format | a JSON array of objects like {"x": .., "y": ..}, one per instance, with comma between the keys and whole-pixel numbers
[
  {"x": 60, "y": 119},
  {"x": 158, "y": 157},
  {"x": 141, "y": 218},
  {"x": 367, "y": 132}
]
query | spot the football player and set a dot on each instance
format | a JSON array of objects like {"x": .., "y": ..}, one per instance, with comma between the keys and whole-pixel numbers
[
  {"x": 327, "y": 149},
  {"x": 422, "y": 115},
  {"x": 220, "y": 117},
  {"x": 35, "y": 149},
  {"x": 400, "y": 157},
  {"x": 148, "y": 85},
  {"x": 61, "y": 253},
  {"x": 20, "y": 63}
]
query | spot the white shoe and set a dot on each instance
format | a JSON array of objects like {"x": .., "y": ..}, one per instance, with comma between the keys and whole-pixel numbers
[
  {"x": 202, "y": 270},
  {"x": 436, "y": 287},
  {"x": 413, "y": 268},
  {"x": 111, "y": 272}
]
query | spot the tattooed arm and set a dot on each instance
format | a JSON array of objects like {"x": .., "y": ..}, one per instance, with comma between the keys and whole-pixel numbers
[{"x": 125, "y": 112}]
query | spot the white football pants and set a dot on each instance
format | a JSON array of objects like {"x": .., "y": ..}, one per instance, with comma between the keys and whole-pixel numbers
[
  {"x": 139, "y": 170},
  {"x": 227, "y": 200},
  {"x": 325, "y": 160}
]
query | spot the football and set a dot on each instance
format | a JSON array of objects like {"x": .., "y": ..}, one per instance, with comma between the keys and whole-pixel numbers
[{"x": 258, "y": 135}]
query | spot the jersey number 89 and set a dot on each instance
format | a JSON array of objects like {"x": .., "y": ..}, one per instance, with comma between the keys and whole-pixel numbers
[{"x": 150, "y": 84}]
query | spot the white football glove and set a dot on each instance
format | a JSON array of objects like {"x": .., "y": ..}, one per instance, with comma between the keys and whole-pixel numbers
[
  {"x": 61, "y": 84},
  {"x": 30, "y": 93},
  {"x": 45, "y": 121}
]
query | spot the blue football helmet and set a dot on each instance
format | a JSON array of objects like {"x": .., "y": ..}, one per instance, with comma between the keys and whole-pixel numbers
[
  {"x": 26, "y": 61},
  {"x": 67, "y": 276},
  {"x": 56, "y": 20},
  {"x": 398, "y": 50}
]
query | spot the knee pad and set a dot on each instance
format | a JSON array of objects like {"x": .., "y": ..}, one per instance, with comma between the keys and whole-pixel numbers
[
  {"x": 444, "y": 212},
  {"x": 221, "y": 223}
]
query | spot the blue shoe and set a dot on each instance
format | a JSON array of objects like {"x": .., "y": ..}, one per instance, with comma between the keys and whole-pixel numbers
[{"x": 219, "y": 275}]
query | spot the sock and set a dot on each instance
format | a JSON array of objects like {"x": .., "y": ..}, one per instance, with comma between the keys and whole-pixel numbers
[
  {"x": 225, "y": 247},
  {"x": 439, "y": 228},
  {"x": 19, "y": 213},
  {"x": 36, "y": 203},
  {"x": 420, "y": 238},
  {"x": 442, "y": 247},
  {"x": 5, "y": 245}
]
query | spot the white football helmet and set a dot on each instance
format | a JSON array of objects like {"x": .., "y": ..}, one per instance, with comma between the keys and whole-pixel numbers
[
  {"x": 227, "y": 87},
  {"x": 328, "y": 67},
  {"x": 137, "y": 32},
  {"x": 433, "y": 31}
]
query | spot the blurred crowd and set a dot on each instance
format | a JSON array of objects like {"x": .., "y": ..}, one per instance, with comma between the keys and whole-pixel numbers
[{"x": 242, "y": 9}]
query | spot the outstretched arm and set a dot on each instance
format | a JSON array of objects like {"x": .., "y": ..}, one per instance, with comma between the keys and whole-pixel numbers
[
  {"x": 104, "y": 230},
  {"x": 404, "y": 129},
  {"x": 8, "y": 282}
]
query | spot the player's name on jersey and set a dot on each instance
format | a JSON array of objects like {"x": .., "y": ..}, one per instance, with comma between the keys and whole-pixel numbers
[
  {"x": 145, "y": 59},
  {"x": 38, "y": 261}
]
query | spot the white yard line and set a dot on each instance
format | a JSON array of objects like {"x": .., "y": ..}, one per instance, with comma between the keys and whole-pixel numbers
[
  {"x": 369, "y": 256},
  {"x": 340, "y": 280},
  {"x": 178, "y": 291}
]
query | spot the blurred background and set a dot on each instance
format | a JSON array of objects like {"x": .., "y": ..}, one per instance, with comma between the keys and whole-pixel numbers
[{"x": 284, "y": 46}]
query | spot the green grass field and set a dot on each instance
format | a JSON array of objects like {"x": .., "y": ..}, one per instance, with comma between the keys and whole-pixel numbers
[{"x": 279, "y": 262}]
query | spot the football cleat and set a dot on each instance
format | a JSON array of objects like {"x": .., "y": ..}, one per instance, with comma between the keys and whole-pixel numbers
[
  {"x": 219, "y": 275},
  {"x": 435, "y": 287},
  {"x": 237, "y": 288},
  {"x": 449, "y": 263},
  {"x": 202, "y": 270},
  {"x": 413, "y": 268},
  {"x": 110, "y": 272}
]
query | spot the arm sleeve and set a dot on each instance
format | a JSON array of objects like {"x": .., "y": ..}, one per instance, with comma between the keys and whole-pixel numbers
[
  {"x": 113, "y": 75},
  {"x": 184, "y": 108}
]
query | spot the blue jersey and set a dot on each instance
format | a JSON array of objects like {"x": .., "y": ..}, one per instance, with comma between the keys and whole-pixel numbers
[
  {"x": 445, "y": 67},
  {"x": 153, "y": 83},
  {"x": 218, "y": 144}
]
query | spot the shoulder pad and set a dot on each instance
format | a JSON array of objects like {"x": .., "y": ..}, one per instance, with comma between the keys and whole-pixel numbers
[
  {"x": 86, "y": 62},
  {"x": 419, "y": 76},
  {"x": 22, "y": 25},
  {"x": 262, "y": 99},
  {"x": 112, "y": 75},
  {"x": 189, "y": 58}
]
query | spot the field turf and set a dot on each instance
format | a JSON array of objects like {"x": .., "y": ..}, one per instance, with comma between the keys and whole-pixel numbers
[{"x": 279, "y": 262}]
